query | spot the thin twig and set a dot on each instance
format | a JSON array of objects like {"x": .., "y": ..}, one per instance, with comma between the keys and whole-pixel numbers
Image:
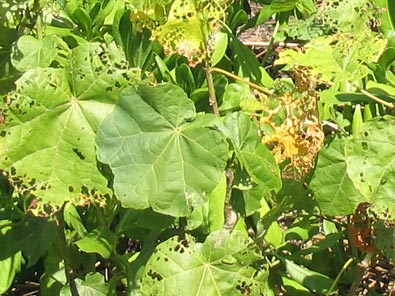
[
  {"x": 378, "y": 100},
  {"x": 267, "y": 44},
  {"x": 235, "y": 77}
]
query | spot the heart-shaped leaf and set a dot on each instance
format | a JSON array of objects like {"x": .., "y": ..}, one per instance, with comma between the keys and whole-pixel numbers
[{"x": 161, "y": 153}]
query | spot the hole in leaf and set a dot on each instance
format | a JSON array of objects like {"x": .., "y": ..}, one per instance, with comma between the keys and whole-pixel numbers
[
  {"x": 365, "y": 146},
  {"x": 154, "y": 275},
  {"x": 84, "y": 190},
  {"x": 71, "y": 189},
  {"x": 13, "y": 171},
  {"x": 79, "y": 153}
]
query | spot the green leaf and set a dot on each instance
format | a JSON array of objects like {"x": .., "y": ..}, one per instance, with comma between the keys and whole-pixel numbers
[
  {"x": 371, "y": 165},
  {"x": 210, "y": 215},
  {"x": 244, "y": 59},
  {"x": 337, "y": 60},
  {"x": 314, "y": 281},
  {"x": 385, "y": 238},
  {"x": 161, "y": 153},
  {"x": 306, "y": 7},
  {"x": 294, "y": 288},
  {"x": 73, "y": 219},
  {"x": 333, "y": 189},
  {"x": 98, "y": 241},
  {"x": 220, "y": 46},
  {"x": 234, "y": 94},
  {"x": 131, "y": 219},
  {"x": 216, "y": 215},
  {"x": 93, "y": 284},
  {"x": 11, "y": 264},
  {"x": 388, "y": 19},
  {"x": 381, "y": 89},
  {"x": 222, "y": 265},
  {"x": 34, "y": 236},
  {"x": 30, "y": 52},
  {"x": 52, "y": 121},
  {"x": 282, "y": 5},
  {"x": 188, "y": 26},
  {"x": 136, "y": 45},
  {"x": 253, "y": 156}
]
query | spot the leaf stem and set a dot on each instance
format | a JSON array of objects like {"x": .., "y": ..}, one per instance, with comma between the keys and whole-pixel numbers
[
  {"x": 231, "y": 216},
  {"x": 359, "y": 273},
  {"x": 344, "y": 268},
  {"x": 66, "y": 254},
  {"x": 235, "y": 77}
]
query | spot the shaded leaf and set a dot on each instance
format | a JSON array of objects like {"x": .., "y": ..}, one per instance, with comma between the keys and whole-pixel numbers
[
  {"x": 100, "y": 242},
  {"x": 34, "y": 229},
  {"x": 93, "y": 285},
  {"x": 10, "y": 265},
  {"x": 314, "y": 281}
]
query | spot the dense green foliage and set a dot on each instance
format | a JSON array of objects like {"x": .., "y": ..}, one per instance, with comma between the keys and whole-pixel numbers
[{"x": 146, "y": 150}]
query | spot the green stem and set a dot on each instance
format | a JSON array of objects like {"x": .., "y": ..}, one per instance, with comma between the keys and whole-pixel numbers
[
  {"x": 211, "y": 89},
  {"x": 270, "y": 47},
  {"x": 66, "y": 254},
  {"x": 122, "y": 263},
  {"x": 344, "y": 268}
]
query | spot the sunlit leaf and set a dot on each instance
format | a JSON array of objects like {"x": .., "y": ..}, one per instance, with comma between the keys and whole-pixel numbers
[
  {"x": 371, "y": 165},
  {"x": 259, "y": 173},
  {"x": 187, "y": 26},
  {"x": 222, "y": 265},
  {"x": 162, "y": 154},
  {"x": 52, "y": 117},
  {"x": 30, "y": 52},
  {"x": 333, "y": 189}
]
